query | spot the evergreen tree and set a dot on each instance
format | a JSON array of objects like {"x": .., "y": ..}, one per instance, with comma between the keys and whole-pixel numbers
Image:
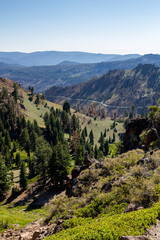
[
  {"x": 101, "y": 141},
  {"x": 8, "y": 160},
  {"x": 37, "y": 101},
  {"x": 114, "y": 137},
  {"x": 37, "y": 128},
  {"x": 15, "y": 93},
  {"x": 23, "y": 176},
  {"x": 25, "y": 141},
  {"x": 106, "y": 147},
  {"x": 79, "y": 160},
  {"x": 96, "y": 152},
  {"x": 74, "y": 122},
  {"x": 66, "y": 106},
  {"x": 85, "y": 129},
  {"x": 18, "y": 160},
  {"x": 42, "y": 155},
  {"x": 4, "y": 93},
  {"x": 7, "y": 139},
  {"x": 91, "y": 137},
  {"x": 5, "y": 179},
  {"x": 59, "y": 164}
]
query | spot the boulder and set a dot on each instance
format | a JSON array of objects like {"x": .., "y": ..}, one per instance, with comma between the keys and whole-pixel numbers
[{"x": 130, "y": 208}]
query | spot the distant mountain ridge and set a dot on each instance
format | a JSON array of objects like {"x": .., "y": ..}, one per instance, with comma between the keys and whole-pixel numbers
[
  {"x": 44, "y": 58},
  {"x": 68, "y": 73},
  {"x": 119, "y": 88}
]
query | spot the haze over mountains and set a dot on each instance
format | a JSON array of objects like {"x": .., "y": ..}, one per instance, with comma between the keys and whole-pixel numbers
[
  {"x": 68, "y": 73},
  {"x": 56, "y": 57}
]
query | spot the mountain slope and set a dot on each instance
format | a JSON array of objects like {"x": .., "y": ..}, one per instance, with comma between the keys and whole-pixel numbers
[
  {"x": 26, "y": 107},
  {"x": 139, "y": 86}
]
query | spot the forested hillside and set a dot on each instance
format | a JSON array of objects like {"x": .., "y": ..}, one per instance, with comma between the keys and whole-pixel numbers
[{"x": 139, "y": 87}]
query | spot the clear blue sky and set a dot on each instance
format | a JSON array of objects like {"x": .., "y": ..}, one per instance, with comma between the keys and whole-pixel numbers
[{"x": 106, "y": 26}]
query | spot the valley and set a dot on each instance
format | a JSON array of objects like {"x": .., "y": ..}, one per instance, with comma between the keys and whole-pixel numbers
[{"x": 78, "y": 173}]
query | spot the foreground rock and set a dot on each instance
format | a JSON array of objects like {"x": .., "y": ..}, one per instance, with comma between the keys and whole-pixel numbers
[
  {"x": 33, "y": 231},
  {"x": 154, "y": 232}
]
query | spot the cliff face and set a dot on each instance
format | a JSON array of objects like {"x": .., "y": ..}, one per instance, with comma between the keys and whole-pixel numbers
[{"x": 135, "y": 128}]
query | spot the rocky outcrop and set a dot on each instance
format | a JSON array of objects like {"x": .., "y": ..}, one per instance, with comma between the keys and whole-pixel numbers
[
  {"x": 77, "y": 170},
  {"x": 154, "y": 232},
  {"x": 72, "y": 186},
  {"x": 88, "y": 161},
  {"x": 33, "y": 231},
  {"x": 134, "y": 129}
]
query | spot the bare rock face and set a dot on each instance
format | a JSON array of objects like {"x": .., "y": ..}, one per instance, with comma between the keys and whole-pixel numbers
[{"x": 134, "y": 238}]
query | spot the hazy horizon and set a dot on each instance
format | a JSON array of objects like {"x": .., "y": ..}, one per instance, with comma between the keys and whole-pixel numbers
[{"x": 104, "y": 26}]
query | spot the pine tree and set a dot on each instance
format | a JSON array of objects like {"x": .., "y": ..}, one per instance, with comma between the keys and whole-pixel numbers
[
  {"x": 91, "y": 137},
  {"x": 85, "y": 129},
  {"x": 25, "y": 141},
  {"x": 23, "y": 176},
  {"x": 106, "y": 147},
  {"x": 15, "y": 93},
  {"x": 66, "y": 106},
  {"x": 114, "y": 137},
  {"x": 5, "y": 179},
  {"x": 43, "y": 153},
  {"x": 8, "y": 159},
  {"x": 59, "y": 164},
  {"x": 7, "y": 139},
  {"x": 4, "y": 93},
  {"x": 18, "y": 160},
  {"x": 96, "y": 152},
  {"x": 37, "y": 101},
  {"x": 79, "y": 160},
  {"x": 37, "y": 128}
]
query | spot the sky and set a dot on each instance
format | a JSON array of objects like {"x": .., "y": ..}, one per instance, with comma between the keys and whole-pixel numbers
[{"x": 99, "y": 26}]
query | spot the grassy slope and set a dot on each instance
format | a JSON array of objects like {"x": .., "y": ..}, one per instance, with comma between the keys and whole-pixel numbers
[
  {"x": 32, "y": 112},
  {"x": 17, "y": 215},
  {"x": 98, "y": 126}
]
